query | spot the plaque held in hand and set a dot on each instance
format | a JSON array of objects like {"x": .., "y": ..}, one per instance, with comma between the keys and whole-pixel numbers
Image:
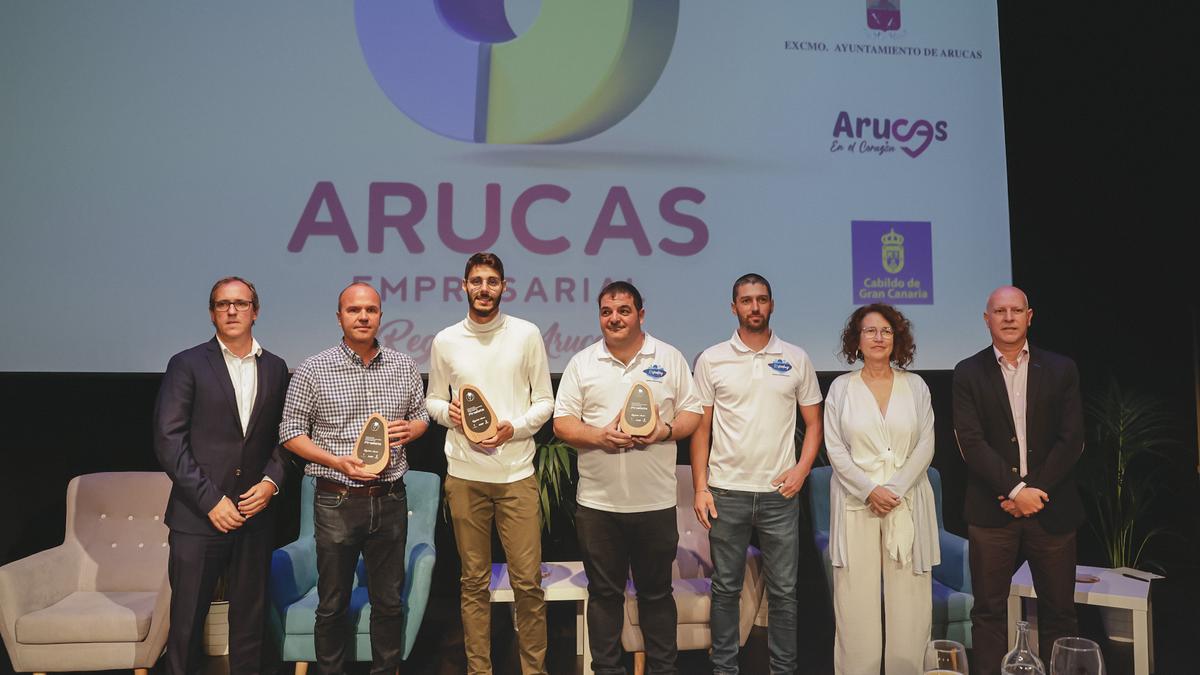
[
  {"x": 372, "y": 446},
  {"x": 638, "y": 415},
  {"x": 478, "y": 417}
]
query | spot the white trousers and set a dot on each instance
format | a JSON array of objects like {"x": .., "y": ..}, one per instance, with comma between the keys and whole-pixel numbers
[{"x": 907, "y": 602}]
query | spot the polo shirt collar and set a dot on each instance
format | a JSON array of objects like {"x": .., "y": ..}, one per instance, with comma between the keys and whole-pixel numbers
[
  {"x": 648, "y": 347},
  {"x": 774, "y": 345}
]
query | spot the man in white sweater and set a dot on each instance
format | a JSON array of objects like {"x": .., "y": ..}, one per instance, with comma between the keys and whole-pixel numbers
[{"x": 505, "y": 358}]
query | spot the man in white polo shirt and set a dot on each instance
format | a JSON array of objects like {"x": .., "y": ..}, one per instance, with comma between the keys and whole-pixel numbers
[
  {"x": 493, "y": 481},
  {"x": 626, "y": 495},
  {"x": 750, "y": 387}
]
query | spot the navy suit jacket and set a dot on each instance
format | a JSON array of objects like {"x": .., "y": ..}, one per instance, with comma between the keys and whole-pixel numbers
[
  {"x": 198, "y": 435},
  {"x": 983, "y": 423}
]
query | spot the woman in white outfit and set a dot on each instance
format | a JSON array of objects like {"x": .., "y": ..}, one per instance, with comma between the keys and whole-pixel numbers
[{"x": 883, "y": 523}]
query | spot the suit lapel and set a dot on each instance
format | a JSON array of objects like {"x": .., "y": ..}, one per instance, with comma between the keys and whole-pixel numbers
[
  {"x": 996, "y": 384},
  {"x": 261, "y": 388},
  {"x": 1033, "y": 384},
  {"x": 221, "y": 373}
]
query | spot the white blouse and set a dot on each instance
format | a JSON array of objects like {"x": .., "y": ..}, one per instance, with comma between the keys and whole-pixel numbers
[{"x": 868, "y": 449}]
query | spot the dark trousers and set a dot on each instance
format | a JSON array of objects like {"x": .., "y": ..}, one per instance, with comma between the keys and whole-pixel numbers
[
  {"x": 377, "y": 527},
  {"x": 613, "y": 545},
  {"x": 195, "y": 563},
  {"x": 996, "y": 553}
]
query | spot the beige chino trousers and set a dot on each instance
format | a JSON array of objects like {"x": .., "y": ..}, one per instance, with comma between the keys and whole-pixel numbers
[{"x": 514, "y": 507}]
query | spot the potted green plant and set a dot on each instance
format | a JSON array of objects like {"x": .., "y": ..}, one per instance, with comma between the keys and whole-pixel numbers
[
  {"x": 1127, "y": 430},
  {"x": 554, "y": 471}
]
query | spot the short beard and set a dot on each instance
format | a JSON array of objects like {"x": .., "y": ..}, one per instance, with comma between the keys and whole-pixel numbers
[
  {"x": 495, "y": 308},
  {"x": 766, "y": 326}
]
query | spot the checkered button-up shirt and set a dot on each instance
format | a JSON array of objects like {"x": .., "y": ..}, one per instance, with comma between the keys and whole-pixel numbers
[{"x": 332, "y": 394}]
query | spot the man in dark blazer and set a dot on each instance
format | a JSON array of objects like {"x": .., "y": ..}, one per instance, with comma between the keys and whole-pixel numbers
[
  {"x": 216, "y": 435},
  {"x": 1019, "y": 423}
]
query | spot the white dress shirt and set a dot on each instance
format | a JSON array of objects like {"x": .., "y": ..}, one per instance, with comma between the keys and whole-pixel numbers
[
  {"x": 243, "y": 372},
  {"x": 1016, "y": 379}
]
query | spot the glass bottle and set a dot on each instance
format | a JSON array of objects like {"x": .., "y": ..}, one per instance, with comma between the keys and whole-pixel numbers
[{"x": 1021, "y": 660}]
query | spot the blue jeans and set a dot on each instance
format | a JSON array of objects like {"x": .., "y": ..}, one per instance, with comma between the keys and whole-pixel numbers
[
  {"x": 777, "y": 520},
  {"x": 344, "y": 527}
]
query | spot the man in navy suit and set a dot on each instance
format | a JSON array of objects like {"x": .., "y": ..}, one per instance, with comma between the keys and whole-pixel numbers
[
  {"x": 1019, "y": 422},
  {"x": 216, "y": 426}
]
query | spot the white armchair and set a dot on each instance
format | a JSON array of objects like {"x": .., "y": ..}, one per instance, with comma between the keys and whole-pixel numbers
[
  {"x": 691, "y": 579},
  {"x": 101, "y": 600}
]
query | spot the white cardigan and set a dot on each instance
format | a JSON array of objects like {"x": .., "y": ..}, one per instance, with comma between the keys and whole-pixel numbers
[{"x": 868, "y": 450}]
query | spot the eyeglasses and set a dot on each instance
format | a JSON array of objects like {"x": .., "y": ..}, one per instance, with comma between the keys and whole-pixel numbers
[
  {"x": 478, "y": 282},
  {"x": 224, "y": 305},
  {"x": 873, "y": 332}
]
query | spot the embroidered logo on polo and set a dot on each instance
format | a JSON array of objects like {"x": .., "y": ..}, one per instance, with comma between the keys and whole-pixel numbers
[
  {"x": 780, "y": 366},
  {"x": 656, "y": 371}
]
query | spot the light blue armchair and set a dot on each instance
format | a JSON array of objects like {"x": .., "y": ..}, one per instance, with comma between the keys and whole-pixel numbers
[
  {"x": 293, "y": 583},
  {"x": 952, "y": 598}
]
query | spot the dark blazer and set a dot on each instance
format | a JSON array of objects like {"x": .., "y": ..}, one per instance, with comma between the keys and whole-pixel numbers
[
  {"x": 198, "y": 435},
  {"x": 983, "y": 423}
]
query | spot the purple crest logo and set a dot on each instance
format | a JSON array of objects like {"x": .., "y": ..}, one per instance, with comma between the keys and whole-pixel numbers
[
  {"x": 893, "y": 262},
  {"x": 883, "y": 15}
]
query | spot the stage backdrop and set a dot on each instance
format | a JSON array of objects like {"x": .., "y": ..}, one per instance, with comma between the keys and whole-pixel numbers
[{"x": 848, "y": 150}]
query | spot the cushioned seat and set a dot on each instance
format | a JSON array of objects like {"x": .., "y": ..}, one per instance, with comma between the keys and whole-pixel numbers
[
  {"x": 90, "y": 616},
  {"x": 952, "y": 613},
  {"x": 101, "y": 600},
  {"x": 293, "y": 582},
  {"x": 692, "y": 583},
  {"x": 952, "y": 598},
  {"x": 693, "y": 598},
  {"x": 301, "y": 616}
]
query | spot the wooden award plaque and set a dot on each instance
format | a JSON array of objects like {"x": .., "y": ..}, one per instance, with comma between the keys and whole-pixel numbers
[
  {"x": 372, "y": 446},
  {"x": 638, "y": 415},
  {"x": 479, "y": 419}
]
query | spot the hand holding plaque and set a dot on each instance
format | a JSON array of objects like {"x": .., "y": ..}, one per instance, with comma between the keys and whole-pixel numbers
[
  {"x": 372, "y": 446},
  {"x": 478, "y": 416},
  {"x": 639, "y": 416}
]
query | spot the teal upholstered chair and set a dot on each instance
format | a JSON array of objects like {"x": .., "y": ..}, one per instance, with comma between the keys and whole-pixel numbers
[
  {"x": 952, "y": 599},
  {"x": 293, "y": 583}
]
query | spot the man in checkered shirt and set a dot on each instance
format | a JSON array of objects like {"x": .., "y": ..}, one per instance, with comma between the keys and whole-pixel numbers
[{"x": 330, "y": 397}]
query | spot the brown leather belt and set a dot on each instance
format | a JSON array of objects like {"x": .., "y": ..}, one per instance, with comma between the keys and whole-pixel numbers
[{"x": 376, "y": 490}]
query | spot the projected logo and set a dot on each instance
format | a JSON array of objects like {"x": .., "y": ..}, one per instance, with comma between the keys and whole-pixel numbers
[
  {"x": 882, "y": 135},
  {"x": 883, "y": 15},
  {"x": 457, "y": 68},
  {"x": 893, "y": 262}
]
